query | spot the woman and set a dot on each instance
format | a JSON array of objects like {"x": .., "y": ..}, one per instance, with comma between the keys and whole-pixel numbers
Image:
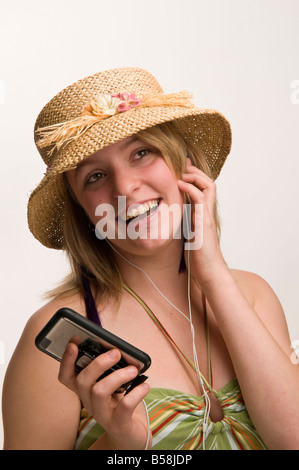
[{"x": 221, "y": 375}]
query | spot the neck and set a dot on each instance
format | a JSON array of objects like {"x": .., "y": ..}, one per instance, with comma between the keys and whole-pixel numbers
[{"x": 161, "y": 267}]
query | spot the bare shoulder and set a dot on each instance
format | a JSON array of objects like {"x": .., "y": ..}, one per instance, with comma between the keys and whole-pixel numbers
[
  {"x": 39, "y": 319},
  {"x": 256, "y": 289},
  {"x": 265, "y": 303},
  {"x": 252, "y": 285},
  {"x": 42, "y": 315}
]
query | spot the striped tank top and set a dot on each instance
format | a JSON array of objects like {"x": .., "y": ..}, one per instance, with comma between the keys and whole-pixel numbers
[{"x": 176, "y": 418}]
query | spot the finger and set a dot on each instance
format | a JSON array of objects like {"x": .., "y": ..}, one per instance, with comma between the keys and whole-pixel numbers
[
  {"x": 129, "y": 402},
  {"x": 90, "y": 374},
  {"x": 199, "y": 178},
  {"x": 193, "y": 192},
  {"x": 188, "y": 162},
  {"x": 88, "y": 377},
  {"x": 109, "y": 384},
  {"x": 67, "y": 375},
  {"x": 195, "y": 169},
  {"x": 199, "y": 188},
  {"x": 103, "y": 398}
]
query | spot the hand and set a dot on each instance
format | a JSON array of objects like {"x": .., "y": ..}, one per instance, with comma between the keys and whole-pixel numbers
[
  {"x": 205, "y": 256},
  {"x": 124, "y": 421}
]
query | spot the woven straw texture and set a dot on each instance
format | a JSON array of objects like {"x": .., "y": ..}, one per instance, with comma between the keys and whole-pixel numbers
[{"x": 207, "y": 128}]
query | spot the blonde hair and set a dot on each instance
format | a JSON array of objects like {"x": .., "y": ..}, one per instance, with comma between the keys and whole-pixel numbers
[{"x": 94, "y": 257}]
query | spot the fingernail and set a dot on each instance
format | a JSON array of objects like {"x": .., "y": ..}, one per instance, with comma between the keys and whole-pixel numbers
[
  {"x": 69, "y": 348},
  {"x": 131, "y": 370},
  {"x": 145, "y": 386},
  {"x": 113, "y": 354}
]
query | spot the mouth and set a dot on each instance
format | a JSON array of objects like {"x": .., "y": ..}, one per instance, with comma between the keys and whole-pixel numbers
[{"x": 144, "y": 210}]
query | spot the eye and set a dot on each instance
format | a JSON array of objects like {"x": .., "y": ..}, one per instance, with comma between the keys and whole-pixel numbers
[
  {"x": 95, "y": 177},
  {"x": 144, "y": 152}
]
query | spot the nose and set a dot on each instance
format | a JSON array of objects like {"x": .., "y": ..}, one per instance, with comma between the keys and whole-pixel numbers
[{"x": 124, "y": 182}]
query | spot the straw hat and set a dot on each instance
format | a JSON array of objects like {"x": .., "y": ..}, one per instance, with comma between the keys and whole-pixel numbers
[{"x": 98, "y": 111}]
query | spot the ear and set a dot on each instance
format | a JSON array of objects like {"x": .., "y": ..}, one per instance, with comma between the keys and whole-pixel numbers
[{"x": 91, "y": 226}]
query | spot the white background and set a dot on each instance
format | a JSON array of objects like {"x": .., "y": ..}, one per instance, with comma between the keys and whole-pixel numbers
[{"x": 238, "y": 56}]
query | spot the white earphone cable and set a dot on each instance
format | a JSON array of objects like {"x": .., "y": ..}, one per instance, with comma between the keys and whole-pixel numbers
[{"x": 195, "y": 359}]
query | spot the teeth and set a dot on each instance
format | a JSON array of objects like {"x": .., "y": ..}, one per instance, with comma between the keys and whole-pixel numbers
[{"x": 141, "y": 209}]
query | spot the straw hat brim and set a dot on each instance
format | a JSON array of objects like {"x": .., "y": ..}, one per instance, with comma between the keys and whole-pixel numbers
[{"x": 206, "y": 128}]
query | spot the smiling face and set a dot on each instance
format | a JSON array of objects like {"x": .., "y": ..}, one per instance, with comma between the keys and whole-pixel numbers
[{"x": 136, "y": 172}]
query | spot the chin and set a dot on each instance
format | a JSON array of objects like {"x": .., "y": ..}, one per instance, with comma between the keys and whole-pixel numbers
[{"x": 148, "y": 246}]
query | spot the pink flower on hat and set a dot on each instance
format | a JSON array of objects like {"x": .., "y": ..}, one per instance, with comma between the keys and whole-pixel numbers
[{"x": 127, "y": 101}]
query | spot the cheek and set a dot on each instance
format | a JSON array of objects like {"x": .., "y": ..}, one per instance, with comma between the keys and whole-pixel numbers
[
  {"x": 90, "y": 203},
  {"x": 88, "y": 200},
  {"x": 166, "y": 179},
  {"x": 169, "y": 185}
]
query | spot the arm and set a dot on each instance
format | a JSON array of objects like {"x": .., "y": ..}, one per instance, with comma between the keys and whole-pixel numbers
[
  {"x": 259, "y": 345},
  {"x": 38, "y": 411},
  {"x": 252, "y": 324}
]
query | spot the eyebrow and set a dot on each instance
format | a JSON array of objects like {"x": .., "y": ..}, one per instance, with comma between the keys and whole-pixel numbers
[
  {"x": 82, "y": 164},
  {"x": 129, "y": 141}
]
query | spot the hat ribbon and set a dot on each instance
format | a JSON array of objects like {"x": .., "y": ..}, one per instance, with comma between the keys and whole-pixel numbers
[{"x": 104, "y": 107}]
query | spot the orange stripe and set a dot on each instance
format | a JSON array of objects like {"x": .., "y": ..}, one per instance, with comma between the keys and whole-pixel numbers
[
  {"x": 154, "y": 431},
  {"x": 167, "y": 420},
  {"x": 174, "y": 404},
  {"x": 244, "y": 434},
  {"x": 84, "y": 424}
]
